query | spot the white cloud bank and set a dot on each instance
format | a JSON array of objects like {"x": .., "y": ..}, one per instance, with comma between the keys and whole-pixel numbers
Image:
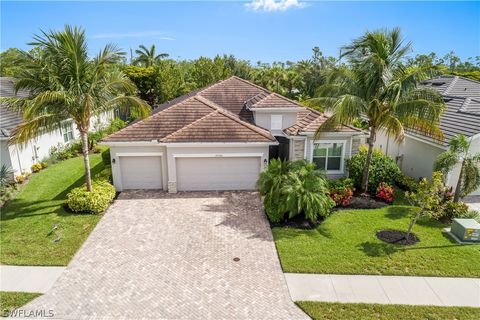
[{"x": 274, "y": 5}]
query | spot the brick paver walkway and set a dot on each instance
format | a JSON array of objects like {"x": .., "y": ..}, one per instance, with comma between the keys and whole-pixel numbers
[{"x": 161, "y": 256}]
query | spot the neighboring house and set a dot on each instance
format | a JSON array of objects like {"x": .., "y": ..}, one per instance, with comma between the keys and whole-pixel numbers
[
  {"x": 417, "y": 153},
  {"x": 221, "y": 137},
  {"x": 21, "y": 157}
]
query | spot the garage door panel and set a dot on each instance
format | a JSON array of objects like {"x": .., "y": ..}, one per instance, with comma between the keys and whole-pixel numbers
[
  {"x": 226, "y": 173},
  {"x": 142, "y": 172}
]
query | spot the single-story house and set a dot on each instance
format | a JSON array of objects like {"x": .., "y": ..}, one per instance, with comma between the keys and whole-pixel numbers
[
  {"x": 20, "y": 157},
  {"x": 221, "y": 137},
  {"x": 417, "y": 153}
]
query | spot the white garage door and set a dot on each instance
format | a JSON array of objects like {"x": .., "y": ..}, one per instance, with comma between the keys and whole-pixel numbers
[
  {"x": 141, "y": 172},
  {"x": 227, "y": 173}
]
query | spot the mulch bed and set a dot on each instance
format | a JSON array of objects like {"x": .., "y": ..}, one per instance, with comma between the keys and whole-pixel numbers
[
  {"x": 363, "y": 202},
  {"x": 297, "y": 222},
  {"x": 397, "y": 237}
]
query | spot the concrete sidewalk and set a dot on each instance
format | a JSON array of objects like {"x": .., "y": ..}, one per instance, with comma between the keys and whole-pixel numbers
[
  {"x": 28, "y": 278},
  {"x": 384, "y": 289}
]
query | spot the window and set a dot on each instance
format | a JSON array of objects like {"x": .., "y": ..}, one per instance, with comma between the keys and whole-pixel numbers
[
  {"x": 329, "y": 156},
  {"x": 67, "y": 131},
  {"x": 276, "y": 122}
]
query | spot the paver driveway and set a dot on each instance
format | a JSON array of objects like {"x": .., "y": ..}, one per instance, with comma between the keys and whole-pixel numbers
[{"x": 160, "y": 256}]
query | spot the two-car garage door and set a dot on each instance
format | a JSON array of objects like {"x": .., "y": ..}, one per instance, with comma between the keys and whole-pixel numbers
[
  {"x": 222, "y": 173},
  {"x": 192, "y": 173}
]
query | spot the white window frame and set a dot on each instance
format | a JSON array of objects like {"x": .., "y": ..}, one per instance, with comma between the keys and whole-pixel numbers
[
  {"x": 342, "y": 159},
  {"x": 69, "y": 133},
  {"x": 276, "y": 122}
]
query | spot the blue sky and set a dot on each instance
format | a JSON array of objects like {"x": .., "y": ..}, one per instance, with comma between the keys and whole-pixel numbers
[{"x": 263, "y": 31}]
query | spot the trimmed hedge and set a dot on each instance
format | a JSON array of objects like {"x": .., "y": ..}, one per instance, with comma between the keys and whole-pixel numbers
[
  {"x": 97, "y": 201},
  {"x": 382, "y": 169}
]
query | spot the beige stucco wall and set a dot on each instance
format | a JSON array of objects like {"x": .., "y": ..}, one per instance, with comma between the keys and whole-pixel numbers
[
  {"x": 414, "y": 157},
  {"x": 263, "y": 119}
]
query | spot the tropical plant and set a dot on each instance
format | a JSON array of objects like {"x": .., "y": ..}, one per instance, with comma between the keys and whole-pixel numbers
[
  {"x": 148, "y": 57},
  {"x": 306, "y": 191},
  {"x": 341, "y": 191},
  {"x": 6, "y": 175},
  {"x": 293, "y": 188},
  {"x": 427, "y": 198},
  {"x": 469, "y": 176},
  {"x": 270, "y": 183},
  {"x": 379, "y": 88},
  {"x": 66, "y": 84}
]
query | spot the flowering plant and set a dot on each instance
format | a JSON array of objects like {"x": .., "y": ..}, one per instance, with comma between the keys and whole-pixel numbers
[
  {"x": 385, "y": 192},
  {"x": 342, "y": 197}
]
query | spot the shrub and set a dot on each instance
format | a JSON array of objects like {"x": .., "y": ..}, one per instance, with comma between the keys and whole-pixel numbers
[
  {"x": 96, "y": 201},
  {"x": 382, "y": 169},
  {"x": 106, "y": 157},
  {"x": 290, "y": 189},
  {"x": 305, "y": 192},
  {"x": 7, "y": 193},
  {"x": 269, "y": 185},
  {"x": 6, "y": 175},
  {"x": 36, "y": 167},
  {"x": 105, "y": 174},
  {"x": 406, "y": 183},
  {"x": 450, "y": 210},
  {"x": 385, "y": 192},
  {"x": 341, "y": 191},
  {"x": 44, "y": 164},
  {"x": 20, "y": 178}
]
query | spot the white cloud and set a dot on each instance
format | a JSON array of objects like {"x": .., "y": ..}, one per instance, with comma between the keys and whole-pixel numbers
[
  {"x": 141, "y": 34},
  {"x": 166, "y": 38},
  {"x": 274, "y": 5}
]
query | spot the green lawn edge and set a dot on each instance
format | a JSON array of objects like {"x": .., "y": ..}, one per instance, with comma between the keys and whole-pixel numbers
[
  {"x": 10, "y": 301},
  {"x": 26, "y": 222},
  {"x": 345, "y": 243},
  {"x": 364, "y": 311}
]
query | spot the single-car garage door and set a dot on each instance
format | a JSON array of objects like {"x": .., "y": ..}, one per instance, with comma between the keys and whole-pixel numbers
[
  {"x": 225, "y": 173},
  {"x": 141, "y": 172}
]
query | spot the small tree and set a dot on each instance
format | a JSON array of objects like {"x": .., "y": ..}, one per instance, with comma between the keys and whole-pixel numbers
[
  {"x": 427, "y": 198},
  {"x": 459, "y": 152}
]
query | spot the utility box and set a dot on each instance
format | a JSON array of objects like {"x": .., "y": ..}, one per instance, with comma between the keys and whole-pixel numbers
[{"x": 467, "y": 230}]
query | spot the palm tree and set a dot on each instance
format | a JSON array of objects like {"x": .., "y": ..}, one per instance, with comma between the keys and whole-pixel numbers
[
  {"x": 66, "y": 84},
  {"x": 469, "y": 176},
  {"x": 379, "y": 88},
  {"x": 148, "y": 57}
]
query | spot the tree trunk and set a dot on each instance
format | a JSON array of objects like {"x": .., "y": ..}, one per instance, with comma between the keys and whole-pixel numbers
[
  {"x": 86, "y": 160},
  {"x": 458, "y": 188},
  {"x": 412, "y": 223},
  {"x": 366, "y": 170}
]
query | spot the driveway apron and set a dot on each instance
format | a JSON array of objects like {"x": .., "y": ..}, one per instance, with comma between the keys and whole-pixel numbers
[{"x": 184, "y": 256}]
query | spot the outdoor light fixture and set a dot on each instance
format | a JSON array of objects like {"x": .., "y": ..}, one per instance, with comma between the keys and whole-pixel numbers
[
  {"x": 265, "y": 161},
  {"x": 113, "y": 160}
]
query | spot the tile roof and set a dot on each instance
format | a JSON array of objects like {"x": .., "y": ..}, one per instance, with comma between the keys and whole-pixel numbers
[
  {"x": 309, "y": 120},
  {"x": 195, "y": 119},
  {"x": 274, "y": 100},
  {"x": 218, "y": 113},
  {"x": 9, "y": 119},
  {"x": 462, "y": 99}
]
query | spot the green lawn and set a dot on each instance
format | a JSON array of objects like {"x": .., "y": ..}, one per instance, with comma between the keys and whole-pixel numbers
[
  {"x": 361, "y": 311},
  {"x": 345, "y": 243},
  {"x": 10, "y": 301},
  {"x": 27, "y": 221}
]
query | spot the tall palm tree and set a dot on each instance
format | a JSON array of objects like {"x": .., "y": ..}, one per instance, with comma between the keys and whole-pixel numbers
[
  {"x": 378, "y": 87},
  {"x": 148, "y": 57},
  {"x": 66, "y": 84},
  {"x": 459, "y": 152}
]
